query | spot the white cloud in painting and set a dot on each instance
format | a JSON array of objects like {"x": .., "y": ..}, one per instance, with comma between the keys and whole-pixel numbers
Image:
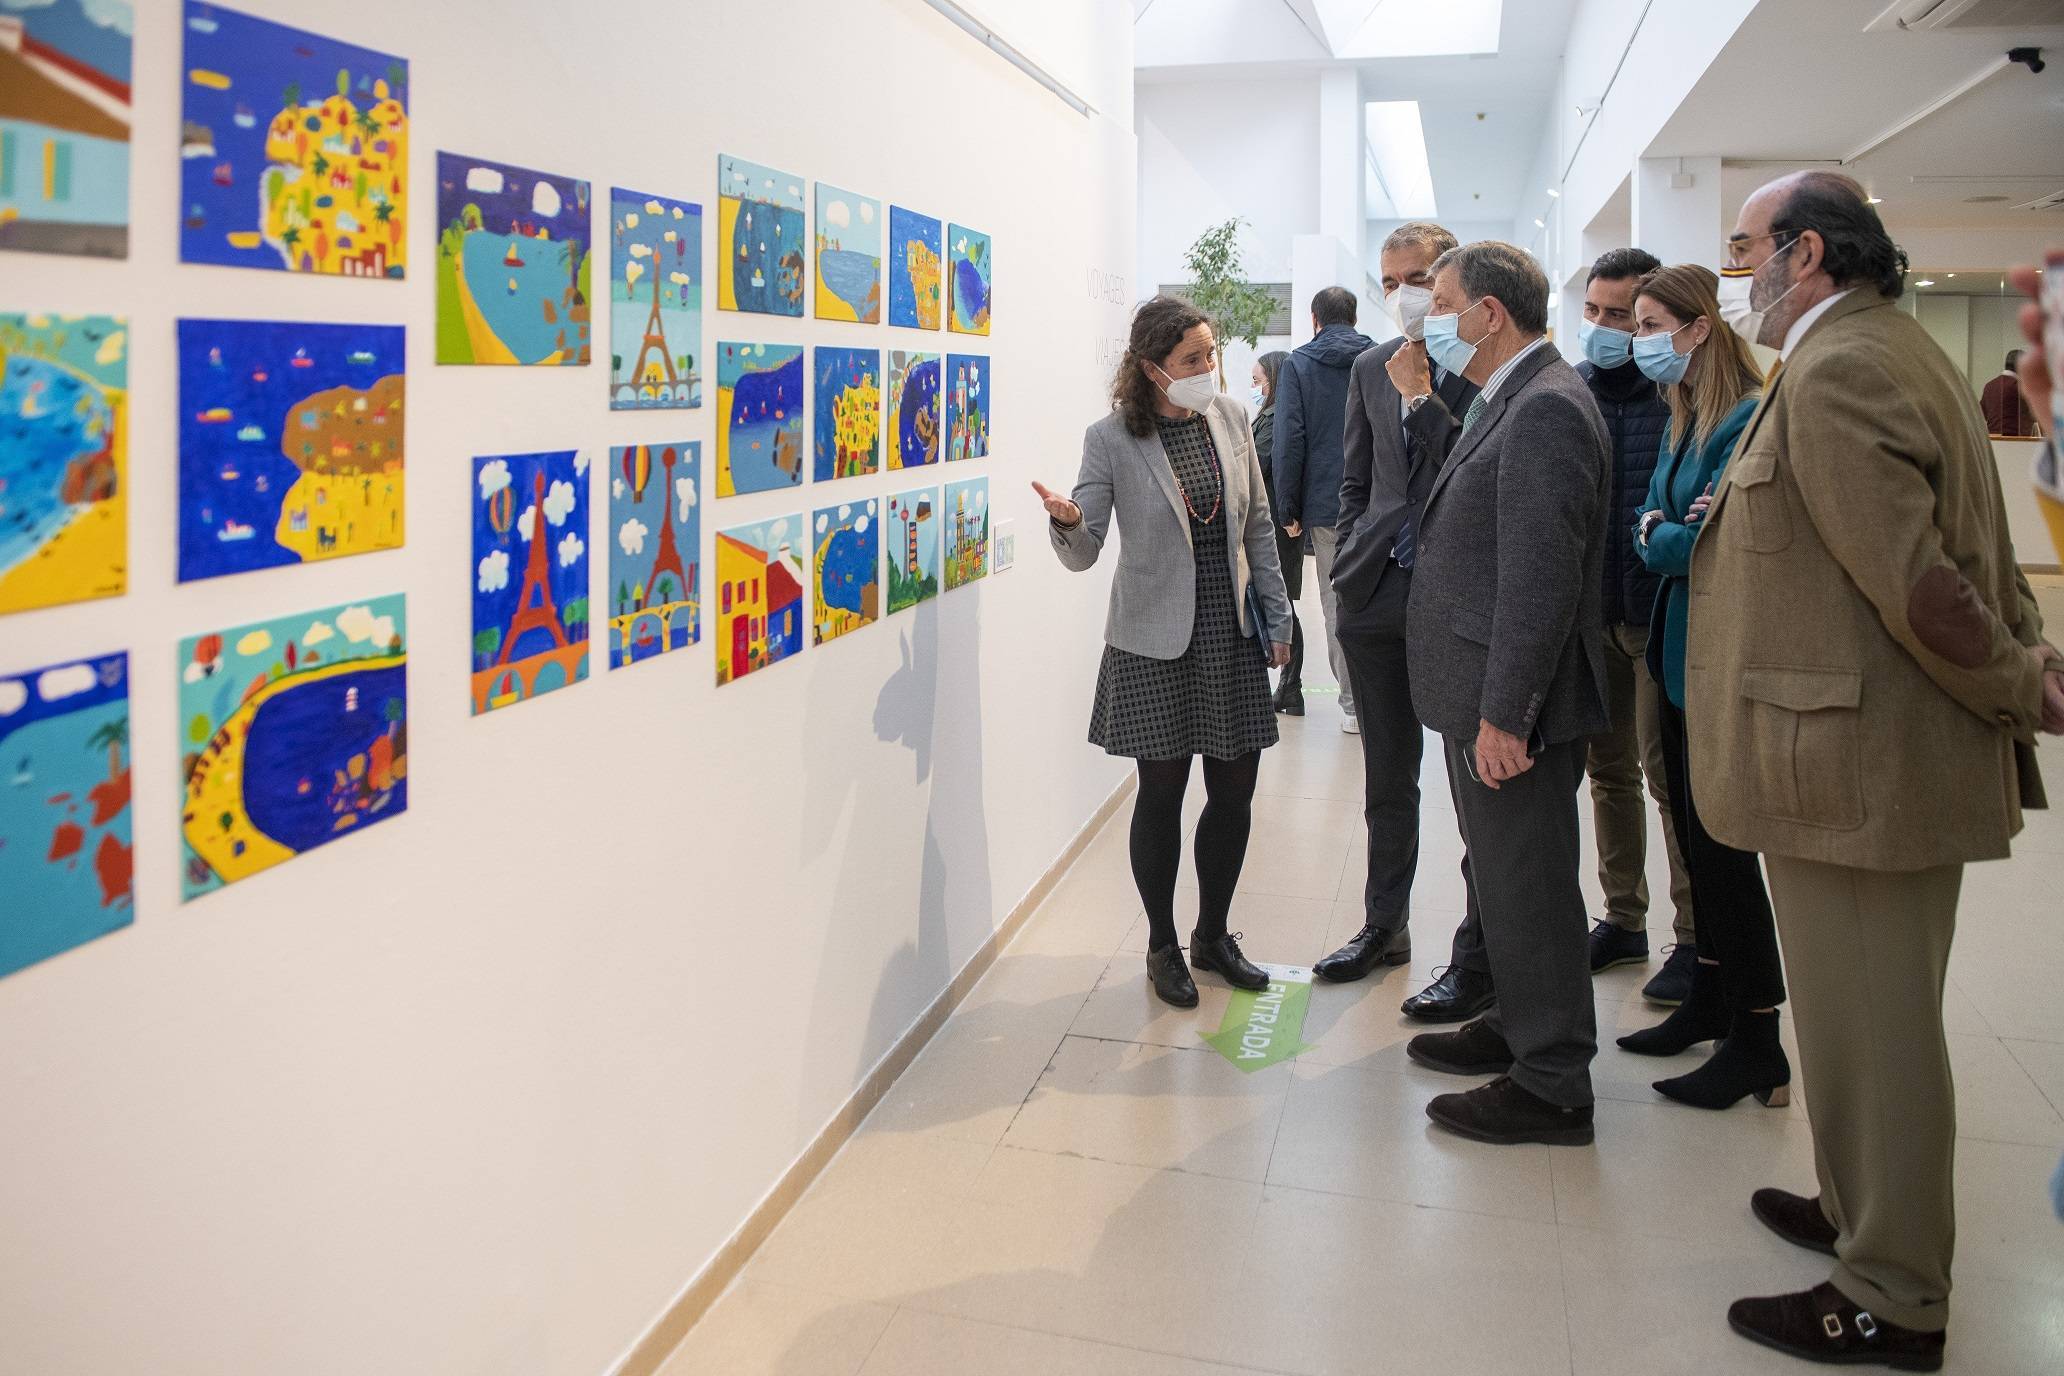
[
  {"x": 777, "y": 530},
  {"x": 255, "y": 643},
  {"x": 654, "y": 208},
  {"x": 14, "y": 695},
  {"x": 559, "y": 503},
  {"x": 641, "y": 250},
  {"x": 580, "y": 462},
  {"x": 630, "y": 219},
  {"x": 494, "y": 571},
  {"x": 118, "y": 15},
  {"x": 194, "y": 672},
  {"x": 679, "y": 279},
  {"x": 671, "y": 237},
  {"x": 823, "y": 522},
  {"x": 630, "y": 536},
  {"x": 679, "y": 214},
  {"x": 860, "y": 523},
  {"x": 545, "y": 201},
  {"x": 795, "y": 193},
  {"x": 486, "y": 180},
  {"x": 110, "y": 352},
  {"x": 526, "y": 521},
  {"x": 838, "y": 213},
  {"x": 494, "y": 476},
  {"x": 616, "y": 487},
  {"x": 632, "y": 272},
  {"x": 316, "y": 633},
  {"x": 360, "y": 626},
  {"x": 867, "y": 212},
  {"x": 684, "y": 496},
  {"x": 571, "y": 549}
]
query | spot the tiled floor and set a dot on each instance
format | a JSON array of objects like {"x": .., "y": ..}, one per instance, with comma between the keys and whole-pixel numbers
[{"x": 1069, "y": 1180}]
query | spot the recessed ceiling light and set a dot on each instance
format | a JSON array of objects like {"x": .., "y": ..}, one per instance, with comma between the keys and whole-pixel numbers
[
  {"x": 1553, "y": 192},
  {"x": 1949, "y": 274},
  {"x": 1925, "y": 282},
  {"x": 1539, "y": 223}
]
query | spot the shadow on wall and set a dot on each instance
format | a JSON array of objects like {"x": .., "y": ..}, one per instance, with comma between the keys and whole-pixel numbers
[{"x": 931, "y": 706}]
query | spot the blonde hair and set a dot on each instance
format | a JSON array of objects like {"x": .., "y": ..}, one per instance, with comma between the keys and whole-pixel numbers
[{"x": 1722, "y": 371}]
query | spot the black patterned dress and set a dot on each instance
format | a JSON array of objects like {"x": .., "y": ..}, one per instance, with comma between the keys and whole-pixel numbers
[{"x": 1214, "y": 699}]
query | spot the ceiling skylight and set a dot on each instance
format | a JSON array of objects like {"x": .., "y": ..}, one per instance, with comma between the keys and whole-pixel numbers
[
  {"x": 1409, "y": 28},
  {"x": 1400, "y": 178}
]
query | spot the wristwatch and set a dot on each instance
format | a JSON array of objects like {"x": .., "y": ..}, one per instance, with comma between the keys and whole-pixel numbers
[{"x": 1415, "y": 403}]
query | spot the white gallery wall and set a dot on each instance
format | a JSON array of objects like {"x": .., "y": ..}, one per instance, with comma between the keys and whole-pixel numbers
[{"x": 481, "y": 1089}]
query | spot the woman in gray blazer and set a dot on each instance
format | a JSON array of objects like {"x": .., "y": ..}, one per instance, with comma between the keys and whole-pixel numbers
[{"x": 1198, "y": 614}]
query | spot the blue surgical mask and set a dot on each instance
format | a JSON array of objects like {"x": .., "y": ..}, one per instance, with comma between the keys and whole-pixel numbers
[
  {"x": 1256, "y": 398},
  {"x": 1605, "y": 346},
  {"x": 1657, "y": 357},
  {"x": 1445, "y": 346}
]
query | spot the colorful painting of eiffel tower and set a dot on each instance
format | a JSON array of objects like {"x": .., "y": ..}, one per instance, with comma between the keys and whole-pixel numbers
[
  {"x": 530, "y": 576},
  {"x": 655, "y": 302},
  {"x": 655, "y": 550}
]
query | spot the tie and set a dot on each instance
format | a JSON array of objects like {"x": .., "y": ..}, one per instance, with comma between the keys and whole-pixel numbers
[{"x": 1475, "y": 411}]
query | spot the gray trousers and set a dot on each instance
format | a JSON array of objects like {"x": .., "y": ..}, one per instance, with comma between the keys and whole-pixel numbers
[
  {"x": 1325, "y": 544},
  {"x": 1524, "y": 850}
]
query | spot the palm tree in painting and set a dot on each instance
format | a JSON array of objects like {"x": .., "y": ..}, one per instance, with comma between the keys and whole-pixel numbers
[{"x": 112, "y": 737}]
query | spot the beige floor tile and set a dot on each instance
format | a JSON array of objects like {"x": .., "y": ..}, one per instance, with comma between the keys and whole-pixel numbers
[
  {"x": 918, "y": 1344},
  {"x": 1186, "y": 1110},
  {"x": 1359, "y": 1024},
  {"x": 2044, "y": 1062},
  {"x": 2000, "y": 1327},
  {"x": 972, "y": 1078},
  {"x": 1335, "y": 1284},
  {"x": 1297, "y": 848},
  {"x": 2006, "y": 1229},
  {"x": 1365, "y": 1133},
  {"x": 1124, "y": 1008},
  {"x": 1033, "y": 988},
  {"x": 1274, "y": 928},
  {"x": 2014, "y": 987},
  {"x": 1996, "y": 1098},
  {"x": 762, "y": 1329}
]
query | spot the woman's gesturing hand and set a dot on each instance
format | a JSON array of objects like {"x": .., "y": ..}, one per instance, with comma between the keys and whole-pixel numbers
[{"x": 1058, "y": 507}]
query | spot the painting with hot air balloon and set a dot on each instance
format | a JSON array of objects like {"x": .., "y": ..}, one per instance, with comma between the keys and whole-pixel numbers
[
  {"x": 64, "y": 444},
  {"x": 845, "y": 569},
  {"x": 530, "y": 576},
  {"x": 655, "y": 302},
  {"x": 295, "y": 733},
  {"x": 971, "y": 277},
  {"x": 65, "y": 846},
  {"x": 655, "y": 550}
]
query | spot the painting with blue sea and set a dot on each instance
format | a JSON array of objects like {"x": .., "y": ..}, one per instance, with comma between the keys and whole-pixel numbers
[
  {"x": 655, "y": 554},
  {"x": 514, "y": 265},
  {"x": 849, "y": 256},
  {"x": 296, "y": 735},
  {"x": 760, "y": 417},
  {"x": 293, "y": 148},
  {"x": 845, "y": 569},
  {"x": 760, "y": 257},
  {"x": 655, "y": 302},
  {"x": 913, "y": 400},
  {"x": 290, "y": 443},
  {"x": 972, "y": 281},
  {"x": 916, "y": 252},
  {"x": 64, "y": 471},
  {"x": 66, "y": 852}
]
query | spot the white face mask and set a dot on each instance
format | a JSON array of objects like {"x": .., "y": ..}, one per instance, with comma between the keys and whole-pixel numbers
[
  {"x": 1256, "y": 399},
  {"x": 1408, "y": 305},
  {"x": 1737, "y": 299},
  {"x": 1190, "y": 393}
]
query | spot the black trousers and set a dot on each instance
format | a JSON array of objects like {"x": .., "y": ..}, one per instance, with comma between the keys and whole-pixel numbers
[
  {"x": 1373, "y": 639},
  {"x": 1735, "y": 925},
  {"x": 1291, "y": 554}
]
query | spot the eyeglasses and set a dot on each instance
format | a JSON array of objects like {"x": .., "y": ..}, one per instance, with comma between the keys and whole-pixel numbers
[{"x": 1734, "y": 252}]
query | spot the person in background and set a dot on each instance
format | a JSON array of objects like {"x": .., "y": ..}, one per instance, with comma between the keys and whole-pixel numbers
[
  {"x": 1868, "y": 674},
  {"x": 2001, "y": 403},
  {"x": 1502, "y": 630},
  {"x": 1630, "y": 751},
  {"x": 1289, "y": 695},
  {"x": 1198, "y": 615},
  {"x": 1711, "y": 384},
  {"x": 1311, "y": 404},
  {"x": 1402, "y": 418}
]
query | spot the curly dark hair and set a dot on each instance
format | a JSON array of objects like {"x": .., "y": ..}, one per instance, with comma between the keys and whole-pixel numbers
[
  {"x": 1157, "y": 327},
  {"x": 1859, "y": 251}
]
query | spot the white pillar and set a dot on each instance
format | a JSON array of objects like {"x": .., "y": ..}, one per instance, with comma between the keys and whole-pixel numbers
[
  {"x": 1332, "y": 256},
  {"x": 1676, "y": 204}
]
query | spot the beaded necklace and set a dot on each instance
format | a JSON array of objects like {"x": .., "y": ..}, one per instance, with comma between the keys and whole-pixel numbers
[{"x": 1216, "y": 467}]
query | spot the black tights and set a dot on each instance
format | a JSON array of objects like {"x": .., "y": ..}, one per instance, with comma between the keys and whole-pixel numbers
[{"x": 1221, "y": 839}]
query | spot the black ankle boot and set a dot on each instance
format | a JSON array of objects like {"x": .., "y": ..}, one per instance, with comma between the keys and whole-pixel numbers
[
  {"x": 1702, "y": 1017},
  {"x": 1750, "y": 1061}
]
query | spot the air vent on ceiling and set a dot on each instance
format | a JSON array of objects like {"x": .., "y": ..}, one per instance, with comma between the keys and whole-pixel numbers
[{"x": 1926, "y": 16}]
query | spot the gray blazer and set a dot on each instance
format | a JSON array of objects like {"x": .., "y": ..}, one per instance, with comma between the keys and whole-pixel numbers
[
  {"x": 1154, "y": 595},
  {"x": 1504, "y": 623}
]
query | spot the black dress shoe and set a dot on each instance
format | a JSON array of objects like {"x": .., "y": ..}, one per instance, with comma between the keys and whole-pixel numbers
[
  {"x": 1671, "y": 985},
  {"x": 1472, "y": 1049},
  {"x": 1365, "y": 950},
  {"x": 1290, "y": 702},
  {"x": 1821, "y": 1325},
  {"x": 1171, "y": 978},
  {"x": 1506, "y": 1115},
  {"x": 1612, "y": 946},
  {"x": 1795, "y": 1218},
  {"x": 1456, "y": 996},
  {"x": 1222, "y": 954}
]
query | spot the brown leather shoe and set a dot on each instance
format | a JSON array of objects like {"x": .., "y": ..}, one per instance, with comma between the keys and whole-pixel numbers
[
  {"x": 1795, "y": 1218},
  {"x": 1471, "y": 1049},
  {"x": 1821, "y": 1325},
  {"x": 1504, "y": 1114}
]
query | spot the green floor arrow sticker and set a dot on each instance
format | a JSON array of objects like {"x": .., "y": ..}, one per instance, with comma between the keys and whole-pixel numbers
[{"x": 1265, "y": 1026}]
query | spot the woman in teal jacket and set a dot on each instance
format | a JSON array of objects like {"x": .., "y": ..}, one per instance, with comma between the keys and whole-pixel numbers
[{"x": 1713, "y": 387}]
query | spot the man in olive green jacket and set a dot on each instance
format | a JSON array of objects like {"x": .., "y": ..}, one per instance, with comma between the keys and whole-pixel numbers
[{"x": 1865, "y": 680}]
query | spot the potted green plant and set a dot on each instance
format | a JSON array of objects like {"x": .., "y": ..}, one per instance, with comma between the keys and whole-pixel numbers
[{"x": 1237, "y": 308}]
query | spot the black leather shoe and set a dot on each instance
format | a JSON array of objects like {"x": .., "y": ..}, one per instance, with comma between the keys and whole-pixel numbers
[
  {"x": 1222, "y": 954},
  {"x": 1612, "y": 946},
  {"x": 1795, "y": 1218},
  {"x": 1471, "y": 1049},
  {"x": 1456, "y": 996},
  {"x": 1290, "y": 701},
  {"x": 1364, "y": 952},
  {"x": 1506, "y": 1115},
  {"x": 1171, "y": 978},
  {"x": 1671, "y": 985},
  {"x": 1821, "y": 1325}
]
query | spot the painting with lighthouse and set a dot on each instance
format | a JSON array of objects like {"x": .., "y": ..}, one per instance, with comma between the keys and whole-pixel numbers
[{"x": 655, "y": 302}]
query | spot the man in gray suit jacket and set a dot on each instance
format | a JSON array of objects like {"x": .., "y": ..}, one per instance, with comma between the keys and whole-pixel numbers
[{"x": 1503, "y": 633}]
